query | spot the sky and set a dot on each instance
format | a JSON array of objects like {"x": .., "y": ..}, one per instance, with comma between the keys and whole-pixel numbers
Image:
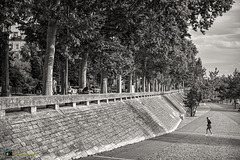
[{"x": 220, "y": 46}]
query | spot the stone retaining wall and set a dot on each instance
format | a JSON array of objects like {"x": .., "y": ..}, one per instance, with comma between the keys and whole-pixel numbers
[
  {"x": 73, "y": 132},
  {"x": 32, "y": 103}
]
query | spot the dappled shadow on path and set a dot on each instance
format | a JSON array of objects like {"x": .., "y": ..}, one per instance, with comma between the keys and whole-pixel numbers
[
  {"x": 191, "y": 138},
  {"x": 222, "y": 110}
]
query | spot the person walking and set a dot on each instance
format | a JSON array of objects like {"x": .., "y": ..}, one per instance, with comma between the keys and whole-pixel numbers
[
  {"x": 209, "y": 126},
  {"x": 54, "y": 86}
]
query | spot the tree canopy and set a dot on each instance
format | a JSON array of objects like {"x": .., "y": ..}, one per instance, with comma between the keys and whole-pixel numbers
[{"x": 149, "y": 38}]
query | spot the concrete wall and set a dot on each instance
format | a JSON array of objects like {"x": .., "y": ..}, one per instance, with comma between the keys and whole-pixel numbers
[{"x": 73, "y": 132}]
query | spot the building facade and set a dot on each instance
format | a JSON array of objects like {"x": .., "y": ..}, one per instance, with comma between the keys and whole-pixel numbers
[{"x": 16, "y": 41}]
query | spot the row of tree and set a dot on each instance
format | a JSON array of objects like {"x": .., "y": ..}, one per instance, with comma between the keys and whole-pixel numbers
[
  {"x": 145, "y": 38},
  {"x": 214, "y": 88},
  {"x": 228, "y": 87}
]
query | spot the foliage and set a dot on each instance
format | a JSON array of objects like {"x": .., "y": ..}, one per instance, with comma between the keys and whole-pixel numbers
[
  {"x": 194, "y": 97},
  {"x": 196, "y": 83},
  {"x": 20, "y": 74},
  {"x": 149, "y": 38},
  {"x": 224, "y": 87},
  {"x": 234, "y": 86}
]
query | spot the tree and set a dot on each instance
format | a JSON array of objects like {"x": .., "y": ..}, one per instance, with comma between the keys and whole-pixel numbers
[
  {"x": 234, "y": 86},
  {"x": 223, "y": 88},
  {"x": 50, "y": 50},
  {"x": 153, "y": 32},
  {"x": 20, "y": 75},
  {"x": 193, "y": 98},
  {"x": 204, "y": 13},
  {"x": 7, "y": 18},
  {"x": 5, "y": 63},
  {"x": 214, "y": 82}
]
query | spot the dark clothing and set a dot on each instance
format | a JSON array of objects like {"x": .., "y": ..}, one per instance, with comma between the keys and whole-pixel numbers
[
  {"x": 38, "y": 88},
  {"x": 85, "y": 90},
  {"x": 209, "y": 126}
]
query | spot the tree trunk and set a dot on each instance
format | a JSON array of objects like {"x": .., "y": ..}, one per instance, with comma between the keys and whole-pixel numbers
[
  {"x": 104, "y": 82},
  {"x": 136, "y": 84},
  {"x": 151, "y": 86},
  {"x": 49, "y": 57},
  {"x": 83, "y": 71},
  {"x": 5, "y": 65},
  {"x": 235, "y": 103},
  {"x": 148, "y": 86},
  {"x": 119, "y": 84},
  {"x": 66, "y": 76},
  {"x": 80, "y": 74},
  {"x": 62, "y": 73},
  {"x": 156, "y": 85},
  {"x": 144, "y": 83},
  {"x": 191, "y": 111},
  {"x": 130, "y": 83}
]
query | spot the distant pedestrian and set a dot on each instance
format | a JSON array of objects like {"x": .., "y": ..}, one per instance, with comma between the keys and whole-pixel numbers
[
  {"x": 209, "y": 126},
  {"x": 85, "y": 90},
  {"x": 54, "y": 86},
  {"x": 38, "y": 88}
]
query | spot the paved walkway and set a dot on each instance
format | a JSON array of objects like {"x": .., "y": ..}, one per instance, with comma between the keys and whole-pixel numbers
[{"x": 189, "y": 140}]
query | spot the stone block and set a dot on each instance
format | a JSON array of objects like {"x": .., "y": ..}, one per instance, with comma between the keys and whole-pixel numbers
[
  {"x": 34, "y": 145},
  {"x": 29, "y": 148},
  {"x": 30, "y": 152},
  {"x": 84, "y": 154},
  {"x": 46, "y": 157},
  {"x": 44, "y": 148},
  {"x": 52, "y": 155},
  {"x": 74, "y": 104},
  {"x": 23, "y": 149},
  {"x": 16, "y": 140},
  {"x": 2, "y": 114},
  {"x": 98, "y": 102},
  {"x": 33, "y": 109},
  {"x": 56, "y": 106},
  {"x": 54, "y": 144},
  {"x": 71, "y": 155}
]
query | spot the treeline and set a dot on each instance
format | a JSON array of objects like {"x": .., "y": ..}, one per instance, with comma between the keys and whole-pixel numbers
[
  {"x": 224, "y": 88},
  {"x": 99, "y": 40},
  {"x": 214, "y": 88}
]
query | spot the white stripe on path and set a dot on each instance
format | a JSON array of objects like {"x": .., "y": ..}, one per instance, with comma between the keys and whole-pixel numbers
[{"x": 112, "y": 158}]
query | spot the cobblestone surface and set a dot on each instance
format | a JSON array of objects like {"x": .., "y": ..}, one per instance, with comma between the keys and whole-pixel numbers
[
  {"x": 223, "y": 144},
  {"x": 86, "y": 130},
  {"x": 189, "y": 140}
]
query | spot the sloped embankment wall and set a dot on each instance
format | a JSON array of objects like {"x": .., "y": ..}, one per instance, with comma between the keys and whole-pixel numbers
[{"x": 85, "y": 130}]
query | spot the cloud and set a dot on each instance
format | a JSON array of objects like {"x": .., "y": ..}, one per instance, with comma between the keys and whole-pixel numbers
[
  {"x": 231, "y": 41},
  {"x": 229, "y": 23},
  {"x": 224, "y": 68},
  {"x": 220, "y": 46}
]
